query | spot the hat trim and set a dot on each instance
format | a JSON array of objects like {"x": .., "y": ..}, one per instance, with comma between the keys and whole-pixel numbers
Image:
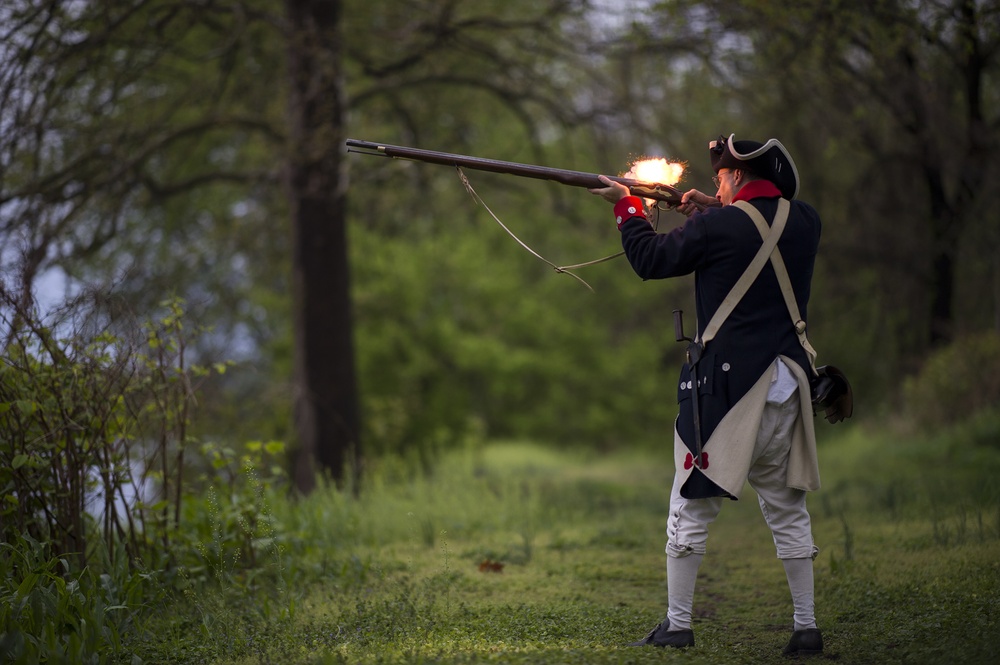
[{"x": 731, "y": 145}]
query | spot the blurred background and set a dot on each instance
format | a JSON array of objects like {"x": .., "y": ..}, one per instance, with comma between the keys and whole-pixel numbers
[{"x": 183, "y": 163}]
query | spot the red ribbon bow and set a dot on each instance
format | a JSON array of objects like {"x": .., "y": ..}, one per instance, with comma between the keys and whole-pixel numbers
[{"x": 690, "y": 461}]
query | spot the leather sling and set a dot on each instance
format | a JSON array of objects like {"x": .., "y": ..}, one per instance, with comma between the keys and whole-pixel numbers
[{"x": 768, "y": 251}]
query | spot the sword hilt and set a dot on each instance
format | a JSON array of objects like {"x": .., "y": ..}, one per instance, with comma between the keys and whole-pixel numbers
[{"x": 679, "y": 326}]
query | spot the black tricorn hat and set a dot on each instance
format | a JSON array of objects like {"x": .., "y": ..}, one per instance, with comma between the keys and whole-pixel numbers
[{"x": 765, "y": 160}]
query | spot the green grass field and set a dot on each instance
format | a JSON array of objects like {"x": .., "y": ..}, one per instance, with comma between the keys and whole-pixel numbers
[{"x": 518, "y": 554}]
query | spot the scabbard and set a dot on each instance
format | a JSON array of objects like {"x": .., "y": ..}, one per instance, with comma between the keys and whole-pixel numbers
[{"x": 693, "y": 356}]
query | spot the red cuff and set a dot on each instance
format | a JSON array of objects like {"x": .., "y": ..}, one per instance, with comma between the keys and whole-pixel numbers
[{"x": 628, "y": 207}]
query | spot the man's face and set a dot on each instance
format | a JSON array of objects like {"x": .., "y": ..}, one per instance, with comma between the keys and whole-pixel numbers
[{"x": 725, "y": 180}]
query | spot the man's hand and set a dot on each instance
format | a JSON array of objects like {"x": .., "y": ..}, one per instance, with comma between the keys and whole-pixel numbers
[
  {"x": 613, "y": 193},
  {"x": 692, "y": 201}
]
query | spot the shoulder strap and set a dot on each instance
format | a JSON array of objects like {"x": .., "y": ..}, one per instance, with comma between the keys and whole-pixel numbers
[
  {"x": 771, "y": 235},
  {"x": 782, "y": 274}
]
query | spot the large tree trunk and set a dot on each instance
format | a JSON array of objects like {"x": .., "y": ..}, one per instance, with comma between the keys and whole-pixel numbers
[{"x": 326, "y": 399}]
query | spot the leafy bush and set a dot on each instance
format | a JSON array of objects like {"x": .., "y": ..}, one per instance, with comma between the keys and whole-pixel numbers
[
  {"x": 97, "y": 469},
  {"x": 956, "y": 382},
  {"x": 62, "y": 416},
  {"x": 472, "y": 339},
  {"x": 94, "y": 412}
]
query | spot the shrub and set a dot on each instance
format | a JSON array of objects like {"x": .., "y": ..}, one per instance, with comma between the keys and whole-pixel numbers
[
  {"x": 93, "y": 429},
  {"x": 956, "y": 382},
  {"x": 98, "y": 470}
]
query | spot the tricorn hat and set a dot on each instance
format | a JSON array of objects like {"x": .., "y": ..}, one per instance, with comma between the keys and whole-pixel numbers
[{"x": 765, "y": 160}]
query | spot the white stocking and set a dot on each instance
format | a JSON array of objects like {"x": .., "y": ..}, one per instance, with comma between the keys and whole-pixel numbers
[
  {"x": 800, "y": 582},
  {"x": 681, "y": 574}
]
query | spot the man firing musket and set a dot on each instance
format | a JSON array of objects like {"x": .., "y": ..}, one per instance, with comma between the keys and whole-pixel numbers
[
  {"x": 744, "y": 392},
  {"x": 747, "y": 391}
]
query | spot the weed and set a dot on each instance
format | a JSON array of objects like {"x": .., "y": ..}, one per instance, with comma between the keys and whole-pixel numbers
[{"x": 48, "y": 614}]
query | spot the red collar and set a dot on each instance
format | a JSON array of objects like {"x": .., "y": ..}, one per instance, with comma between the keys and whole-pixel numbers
[{"x": 756, "y": 189}]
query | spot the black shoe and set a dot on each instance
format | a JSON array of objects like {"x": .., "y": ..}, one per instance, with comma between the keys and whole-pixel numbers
[
  {"x": 662, "y": 636},
  {"x": 808, "y": 642}
]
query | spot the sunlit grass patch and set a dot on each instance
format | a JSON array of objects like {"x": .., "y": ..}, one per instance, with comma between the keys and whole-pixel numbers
[{"x": 515, "y": 553}]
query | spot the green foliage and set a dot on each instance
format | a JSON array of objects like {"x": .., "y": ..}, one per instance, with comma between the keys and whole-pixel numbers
[
  {"x": 98, "y": 470},
  {"x": 956, "y": 382},
  {"x": 231, "y": 533},
  {"x": 51, "y": 612},
  {"x": 63, "y": 416},
  {"x": 462, "y": 333},
  {"x": 93, "y": 421},
  {"x": 193, "y": 125},
  {"x": 169, "y": 121},
  {"x": 173, "y": 122}
]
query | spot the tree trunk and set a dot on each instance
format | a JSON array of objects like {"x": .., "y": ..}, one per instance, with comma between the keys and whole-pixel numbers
[
  {"x": 946, "y": 227},
  {"x": 326, "y": 399},
  {"x": 942, "y": 312}
]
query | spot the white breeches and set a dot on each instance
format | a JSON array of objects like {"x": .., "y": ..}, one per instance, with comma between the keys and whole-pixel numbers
[{"x": 784, "y": 508}]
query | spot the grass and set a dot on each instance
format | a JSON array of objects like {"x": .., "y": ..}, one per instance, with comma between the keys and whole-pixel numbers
[{"x": 909, "y": 570}]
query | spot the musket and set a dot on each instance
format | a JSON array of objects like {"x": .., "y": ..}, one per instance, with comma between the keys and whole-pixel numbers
[{"x": 646, "y": 190}]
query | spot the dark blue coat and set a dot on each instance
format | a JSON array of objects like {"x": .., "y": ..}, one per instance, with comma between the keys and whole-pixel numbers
[{"x": 717, "y": 245}]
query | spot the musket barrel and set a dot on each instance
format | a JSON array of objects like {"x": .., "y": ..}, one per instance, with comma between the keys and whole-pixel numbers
[{"x": 657, "y": 191}]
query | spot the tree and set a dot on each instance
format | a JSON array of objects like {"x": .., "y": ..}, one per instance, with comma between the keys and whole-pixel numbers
[
  {"x": 918, "y": 76},
  {"x": 145, "y": 143},
  {"x": 447, "y": 55},
  {"x": 327, "y": 410},
  {"x": 890, "y": 109},
  {"x": 142, "y": 148}
]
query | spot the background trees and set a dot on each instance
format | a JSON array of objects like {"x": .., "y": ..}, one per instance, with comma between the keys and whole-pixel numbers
[
  {"x": 158, "y": 148},
  {"x": 887, "y": 107}
]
